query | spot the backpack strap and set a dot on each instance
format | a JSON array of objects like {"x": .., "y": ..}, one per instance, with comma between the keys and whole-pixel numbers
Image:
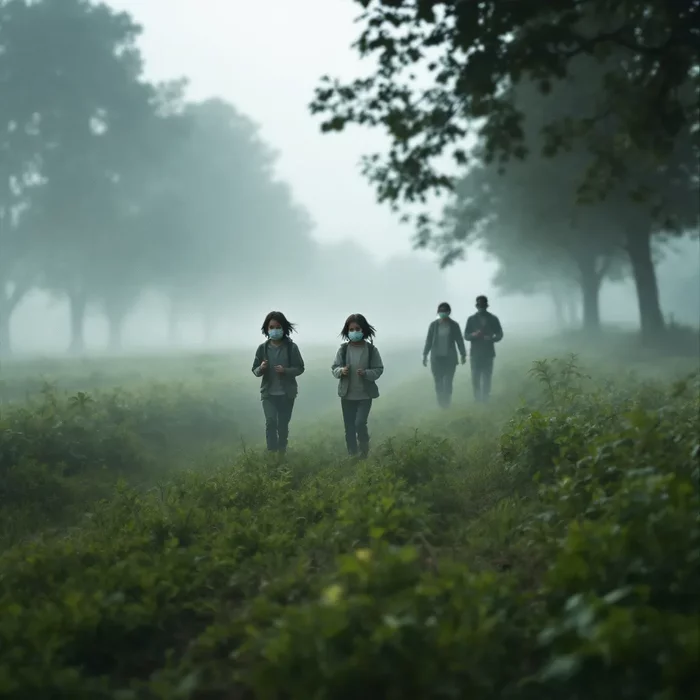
[
  {"x": 289, "y": 351},
  {"x": 344, "y": 353}
]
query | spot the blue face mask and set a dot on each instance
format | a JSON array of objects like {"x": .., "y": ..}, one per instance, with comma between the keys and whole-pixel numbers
[
  {"x": 276, "y": 333},
  {"x": 356, "y": 336},
  {"x": 443, "y": 314}
]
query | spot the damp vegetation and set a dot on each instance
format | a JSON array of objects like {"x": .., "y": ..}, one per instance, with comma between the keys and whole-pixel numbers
[{"x": 543, "y": 545}]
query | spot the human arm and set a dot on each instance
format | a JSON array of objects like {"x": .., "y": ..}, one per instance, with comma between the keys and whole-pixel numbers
[
  {"x": 469, "y": 329},
  {"x": 429, "y": 340},
  {"x": 460, "y": 343},
  {"x": 498, "y": 330},
  {"x": 338, "y": 365},
  {"x": 297, "y": 368},
  {"x": 259, "y": 368},
  {"x": 377, "y": 369}
]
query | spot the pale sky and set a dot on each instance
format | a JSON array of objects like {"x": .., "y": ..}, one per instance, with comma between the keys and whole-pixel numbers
[{"x": 266, "y": 57}]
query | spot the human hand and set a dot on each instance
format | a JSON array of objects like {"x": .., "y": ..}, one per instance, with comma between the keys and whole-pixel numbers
[
  {"x": 425, "y": 362},
  {"x": 345, "y": 371},
  {"x": 263, "y": 365},
  {"x": 360, "y": 373},
  {"x": 279, "y": 369},
  {"x": 463, "y": 360}
]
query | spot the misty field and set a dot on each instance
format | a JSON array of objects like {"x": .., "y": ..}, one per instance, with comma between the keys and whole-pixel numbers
[{"x": 546, "y": 545}]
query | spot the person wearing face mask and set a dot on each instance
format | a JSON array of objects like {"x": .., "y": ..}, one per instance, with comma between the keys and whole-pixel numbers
[
  {"x": 443, "y": 341},
  {"x": 357, "y": 366},
  {"x": 278, "y": 363},
  {"x": 483, "y": 330}
]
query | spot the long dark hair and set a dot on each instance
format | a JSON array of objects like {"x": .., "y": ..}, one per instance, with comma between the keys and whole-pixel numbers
[
  {"x": 287, "y": 326},
  {"x": 368, "y": 331}
]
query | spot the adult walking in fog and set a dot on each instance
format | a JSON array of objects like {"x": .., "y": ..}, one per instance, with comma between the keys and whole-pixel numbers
[
  {"x": 443, "y": 341},
  {"x": 357, "y": 366},
  {"x": 483, "y": 330},
  {"x": 278, "y": 362}
]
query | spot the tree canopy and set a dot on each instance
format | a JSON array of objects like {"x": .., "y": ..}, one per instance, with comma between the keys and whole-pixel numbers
[
  {"x": 115, "y": 190},
  {"x": 608, "y": 93},
  {"x": 475, "y": 52},
  {"x": 113, "y": 185}
]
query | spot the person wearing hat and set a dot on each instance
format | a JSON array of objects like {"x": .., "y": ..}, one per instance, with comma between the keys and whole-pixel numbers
[
  {"x": 483, "y": 330},
  {"x": 442, "y": 343}
]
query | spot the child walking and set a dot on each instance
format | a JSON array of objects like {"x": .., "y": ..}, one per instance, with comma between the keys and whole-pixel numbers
[
  {"x": 357, "y": 366},
  {"x": 278, "y": 363}
]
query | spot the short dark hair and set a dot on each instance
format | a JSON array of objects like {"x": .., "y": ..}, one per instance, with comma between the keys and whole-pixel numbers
[
  {"x": 287, "y": 326},
  {"x": 481, "y": 299},
  {"x": 446, "y": 306},
  {"x": 367, "y": 330}
]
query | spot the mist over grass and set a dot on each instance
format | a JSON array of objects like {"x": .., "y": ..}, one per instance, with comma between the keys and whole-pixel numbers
[{"x": 544, "y": 545}]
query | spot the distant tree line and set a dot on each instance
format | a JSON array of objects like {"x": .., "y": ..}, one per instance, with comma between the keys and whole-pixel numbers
[
  {"x": 584, "y": 116},
  {"x": 112, "y": 186}
]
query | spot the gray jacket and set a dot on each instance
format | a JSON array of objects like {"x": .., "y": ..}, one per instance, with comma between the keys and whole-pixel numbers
[
  {"x": 490, "y": 326},
  {"x": 372, "y": 373},
  {"x": 293, "y": 364},
  {"x": 456, "y": 337}
]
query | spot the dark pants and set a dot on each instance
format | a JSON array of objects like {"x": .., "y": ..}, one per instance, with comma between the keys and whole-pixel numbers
[
  {"x": 443, "y": 369},
  {"x": 355, "y": 415},
  {"x": 278, "y": 413},
  {"x": 482, "y": 370}
]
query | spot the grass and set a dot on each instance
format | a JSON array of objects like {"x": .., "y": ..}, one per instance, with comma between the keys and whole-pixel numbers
[{"x": 545, "y": 545}]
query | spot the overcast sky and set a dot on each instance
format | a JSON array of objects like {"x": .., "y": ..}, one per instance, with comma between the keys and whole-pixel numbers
[{"x": 266, "y": 56}]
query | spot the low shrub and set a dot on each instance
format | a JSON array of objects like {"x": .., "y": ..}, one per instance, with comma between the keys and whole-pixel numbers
[{"x": 324, "y": 578}]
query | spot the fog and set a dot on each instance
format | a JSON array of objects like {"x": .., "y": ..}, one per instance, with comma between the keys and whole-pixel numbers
[
  {"x": 41, "y": 324},
  {"x": 303, "y": 232}
]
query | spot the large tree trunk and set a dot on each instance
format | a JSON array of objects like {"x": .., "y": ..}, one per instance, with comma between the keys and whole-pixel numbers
[
  {"x": 558, "y": 304},
  {"x": 8, "y": 304},
  {"x": 572, "y": 309},
  {"x": 115, "y": 321},
  {"x": 650, "y": 314},
  {"x": 77, "y": 309},
  {"x": 589, "y": 279}
]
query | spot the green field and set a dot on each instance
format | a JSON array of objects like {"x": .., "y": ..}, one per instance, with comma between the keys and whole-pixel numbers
[{"x": 544, "y": 546}]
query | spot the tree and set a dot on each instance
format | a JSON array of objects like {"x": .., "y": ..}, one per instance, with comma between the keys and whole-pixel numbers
[
  {"x": 478, "y": 53},
  {"x": 18, "y": 176},
  {"x": 82, "y": 117},
  {"x": 235, "y": 229},
  {"x": 527, "y": 213},
  {"x": 525, "y": 271},
  {"x": 131, "y": 253},
  {"x": 17, "y": 269},
  {"x": 679, "y": 274}
]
